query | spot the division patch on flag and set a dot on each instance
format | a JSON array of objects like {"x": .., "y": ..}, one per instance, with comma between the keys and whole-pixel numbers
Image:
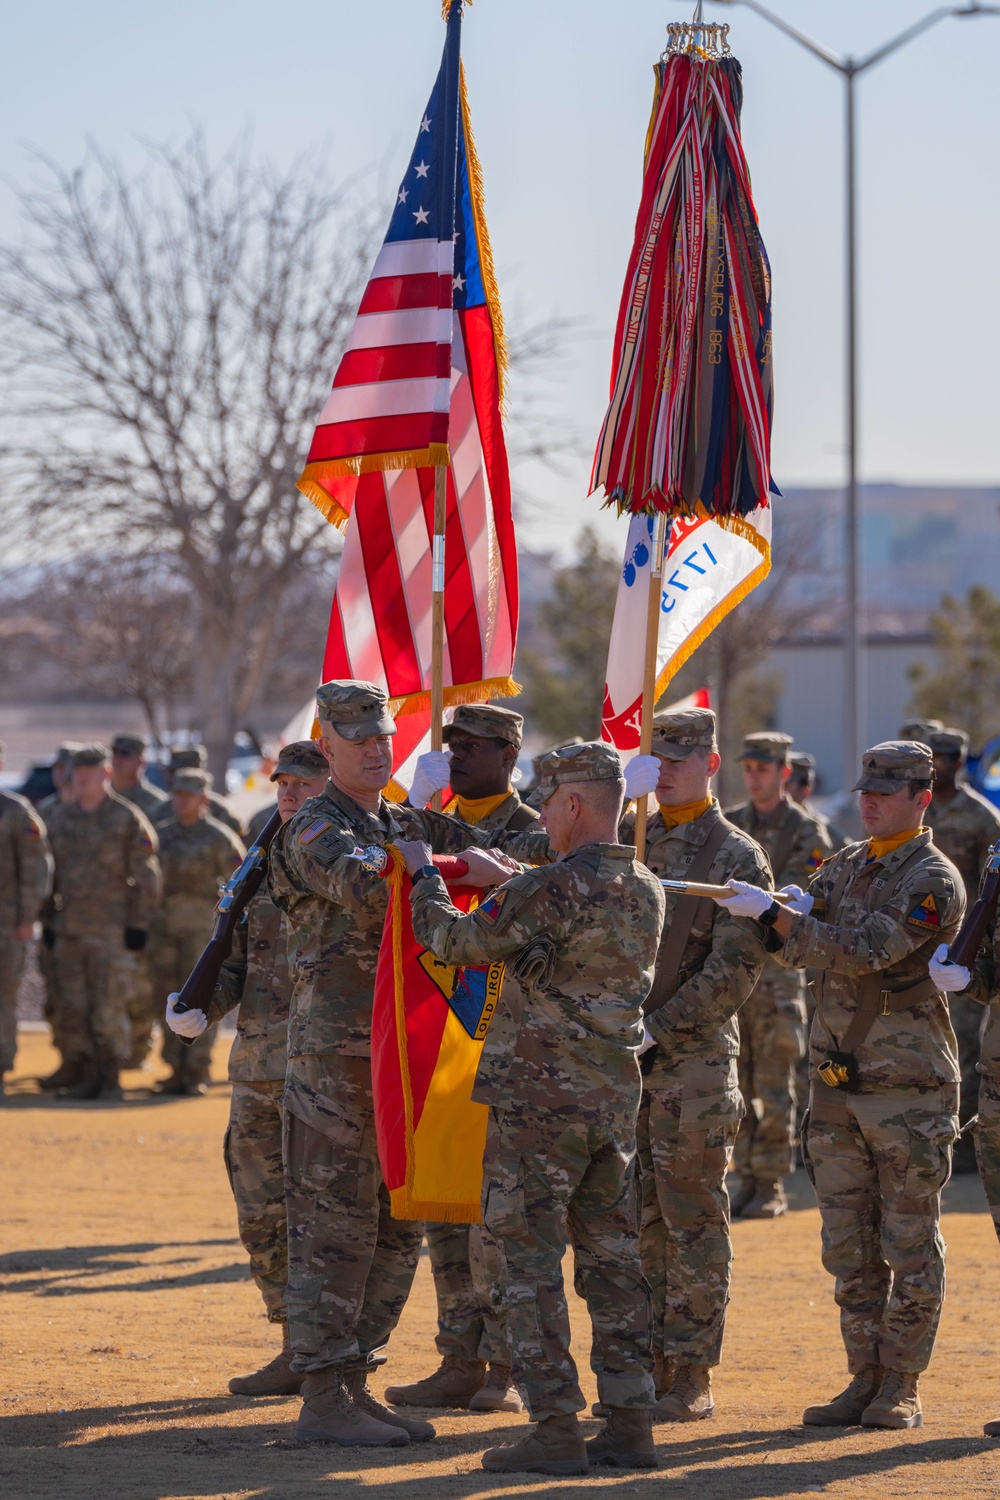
[
  {"x": 472, "y": 994},
  {"x": 313, "y": 831},
  {"x": 925, "y": 914}
]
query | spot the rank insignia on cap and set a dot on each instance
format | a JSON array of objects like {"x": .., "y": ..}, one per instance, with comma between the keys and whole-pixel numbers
[
  {"x": 313, "y": 831},
  {"x": 925, "y": 914},
  {"x": 492, "y": 908}
]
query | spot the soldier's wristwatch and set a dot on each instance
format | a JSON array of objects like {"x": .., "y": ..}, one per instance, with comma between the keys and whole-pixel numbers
[
  {"x": 769, "y": 917},
  {"x": 423, "y": 873}
]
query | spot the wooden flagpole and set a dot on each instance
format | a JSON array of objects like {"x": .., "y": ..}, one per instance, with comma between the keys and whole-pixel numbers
[
  {"x": 437, "y": 615},
  {"x": 649, "y": 670}
]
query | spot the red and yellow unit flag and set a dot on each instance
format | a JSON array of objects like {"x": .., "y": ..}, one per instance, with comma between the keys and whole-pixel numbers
[
  {"x": 420, "y": 384},
  {"x": 429, "y": 1022}
]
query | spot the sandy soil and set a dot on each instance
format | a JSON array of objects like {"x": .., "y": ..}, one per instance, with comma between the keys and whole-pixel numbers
[{"x": 128, "y": 1307}]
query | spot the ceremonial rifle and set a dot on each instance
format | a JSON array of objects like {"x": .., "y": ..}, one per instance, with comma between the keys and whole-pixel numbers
[
  {"x": 234, "y": 898},
  {"x": 970, "y": 935}
]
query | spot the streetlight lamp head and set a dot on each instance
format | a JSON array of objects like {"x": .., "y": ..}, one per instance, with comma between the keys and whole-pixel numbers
[{"x": 972, "y": 9}]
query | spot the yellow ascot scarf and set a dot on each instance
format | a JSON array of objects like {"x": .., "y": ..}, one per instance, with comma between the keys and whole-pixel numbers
[
  {"x": 685, "y": 812},
  {"x": 474, "y": 810},
  {"x": 879, "y": 848}
]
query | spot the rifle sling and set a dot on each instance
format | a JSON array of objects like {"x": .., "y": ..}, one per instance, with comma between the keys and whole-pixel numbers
[{"x": 671, "y": 954}]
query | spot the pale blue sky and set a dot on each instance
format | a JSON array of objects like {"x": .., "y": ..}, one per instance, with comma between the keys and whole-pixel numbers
[{"x": 560, "y": 93}]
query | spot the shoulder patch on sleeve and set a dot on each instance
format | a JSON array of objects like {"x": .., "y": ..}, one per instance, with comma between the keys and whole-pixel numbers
[
  {"x": 925, "y": 914},
  {"x": 491, "y": 908},
  {"x": 32, "y": 830},
  {"x": 815, "y": 859},
  {"x": 318, "y": 826}
]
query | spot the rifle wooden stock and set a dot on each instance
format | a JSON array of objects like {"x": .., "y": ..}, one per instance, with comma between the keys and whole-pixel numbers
[
  {"x": 972, "y": 931},
  {"x": 237, "y": 893}
]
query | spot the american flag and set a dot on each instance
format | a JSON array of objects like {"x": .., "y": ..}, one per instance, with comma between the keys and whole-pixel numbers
[{"x": 420, "y": 384}]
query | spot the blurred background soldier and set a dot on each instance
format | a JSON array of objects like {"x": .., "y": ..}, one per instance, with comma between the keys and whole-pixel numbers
[
  {"x": 106, "y": 886},
  {"x": 255, "y": 978},
  {"x": 195, "y": 758},
  {"x": 708, "y": 964},
  {"x": 919, "y": 730},
  {"x": 128, "y": 752},
  {"x": 773, "y": 1019},
  {"x": 198, "y": 855},
  {"x": 483, "y": 744},
  {"x": 52, "y": 1009},
  {"x": 25, "y": 882},
  {"x": 127, "y": 765},
  {"x": 800, "y": 788},
  {"x": 964, "y": 988},
  {"x": 966, "y": 827}
]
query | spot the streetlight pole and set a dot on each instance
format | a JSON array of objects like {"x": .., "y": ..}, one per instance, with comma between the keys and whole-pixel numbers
[{"x": 849, "y": 68}]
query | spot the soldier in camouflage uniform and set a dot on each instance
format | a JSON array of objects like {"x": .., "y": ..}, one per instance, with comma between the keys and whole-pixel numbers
[
  {"x": 982, "y": 985},
  {"x": 773, "y": 1019},
  {"x": 198, "y": 855},
  {"x": 52, "y": 1009},
  {"x": 255, "y": 978},
  {"x": 483, "y": 744},
  {"x": 558, "y": 1070},
  {"x": 106, "y": 886},
  {"x": 195, "y": 758},
  {"x": 350, "y": 1263},
  {"x": 25, "y": 882},
  {"x": 965, "y": 826},
  {"x": 691, "y": 1105},
  {"x": 884, "y": 1107},
  {"x": 127, "y": 765}
]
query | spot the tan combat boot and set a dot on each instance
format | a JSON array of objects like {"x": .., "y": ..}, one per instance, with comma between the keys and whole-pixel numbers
[
  {"x": 497, "y": 1394},
  {"x": 553, "y": 1446},
  {"x": 991, "y": 1429},
  {"x": 87, "y": 1086},
  {"x": 454, "y": 1383},
  {"x": 741, "y": 1192},
  {"x": 768, "y": 1201},
  {"x": 64, "y": 1076},
  {"x": 625, "y": 1441},
  {"x": 276, "y": 1378},
  {"x": 356, "y": 1382},
  {"x": 689, "y": 1399},
  {"x": 897, "y": 1403},
  {"x": 329, "y": 1415},
  {"x": 845, "y": 1410}
]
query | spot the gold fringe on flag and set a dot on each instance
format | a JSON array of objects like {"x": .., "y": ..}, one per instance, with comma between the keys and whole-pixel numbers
[
  {"x": 463, "y": 692},
  {"x": 310, "y": 482},
  {"x": 486, "y": 264}
]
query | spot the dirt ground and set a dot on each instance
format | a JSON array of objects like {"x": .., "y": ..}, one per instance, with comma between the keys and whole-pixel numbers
[{"x": 127, "y": 1307}]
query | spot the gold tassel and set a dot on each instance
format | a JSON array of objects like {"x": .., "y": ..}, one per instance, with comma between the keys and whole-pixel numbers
[
  {"x": 486, "y": 265},
  {"x": 464, "y": 692},
  {"x": 447, "y": 4}
]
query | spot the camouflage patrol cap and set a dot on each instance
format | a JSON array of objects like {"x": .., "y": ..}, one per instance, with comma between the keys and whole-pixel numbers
[
  {"x": 91, "y": 755},
  {"x": 919, "y": 729},
  {"x": 679, "y": 733},
  {"x": 302, "y": 758},
  {"x": 766, "y": 745},
  {"x": 128, "y": 744},
  {"x": 65, "y": 753},
  {"x": 948, "y": 742},
  {"x": 356, "y": 710},
  {"x": 487, "y": 722},
  {"x": 893, "y": 765},
  {"x": 592, "y": 761},
  {"x": 188, "y": 756},
  {"x": 800, "y": 761},
  {"x": 190, "y": 779}
]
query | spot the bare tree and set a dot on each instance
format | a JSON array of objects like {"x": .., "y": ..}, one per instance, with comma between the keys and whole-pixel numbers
[{"x": 167, "y": 338}]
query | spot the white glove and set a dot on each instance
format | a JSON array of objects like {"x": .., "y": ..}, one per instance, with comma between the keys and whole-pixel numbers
[
  {"x": 949, "y": 977},
  {"x": 641, "y": 775},
  {"x": 188, "y": 1022},
  {"x": 801, "y": 902},
  {"x": 746, "y": 900},
  {"x": 431, "y": 774},
  {"x": 647, "y": 1042}
]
